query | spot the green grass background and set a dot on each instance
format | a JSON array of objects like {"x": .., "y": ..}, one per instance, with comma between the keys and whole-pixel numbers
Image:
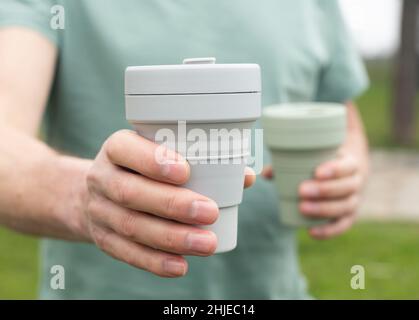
[
  {"x": 18, "y": 266},
  {"x": 388, "y": 251}
]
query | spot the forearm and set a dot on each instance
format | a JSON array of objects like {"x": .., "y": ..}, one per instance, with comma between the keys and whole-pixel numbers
[
  {"x": 41, "y": 191},
  {"x": 356, "y": 140}
]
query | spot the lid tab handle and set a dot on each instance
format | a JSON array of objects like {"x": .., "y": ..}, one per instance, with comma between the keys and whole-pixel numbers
[{"x": 207, "y": 60}]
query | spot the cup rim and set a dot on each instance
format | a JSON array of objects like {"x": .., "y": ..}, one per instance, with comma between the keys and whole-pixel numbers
[{"x": 295, "y": 111}]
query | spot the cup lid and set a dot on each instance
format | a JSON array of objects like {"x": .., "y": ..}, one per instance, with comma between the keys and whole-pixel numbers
[
  {"x": 304, "y": 115},
  {"x": 304, "y": 125},
  {"x": 194, "y": 76}
]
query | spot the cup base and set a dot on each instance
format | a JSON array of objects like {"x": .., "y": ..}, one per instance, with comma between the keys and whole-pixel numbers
[
  {"x": 225, "y": 228},
  {"x": 290, "y": 215}
]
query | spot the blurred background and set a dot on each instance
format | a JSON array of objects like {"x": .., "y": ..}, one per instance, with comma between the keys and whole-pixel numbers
[
  {"x": 385, "y": 238},
  {"x": 387, "y": 34}
]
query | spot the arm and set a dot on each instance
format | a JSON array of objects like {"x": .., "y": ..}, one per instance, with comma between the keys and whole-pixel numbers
[
  {"x": 123, "y": 201},
  {"x": 29, "y": 170}
]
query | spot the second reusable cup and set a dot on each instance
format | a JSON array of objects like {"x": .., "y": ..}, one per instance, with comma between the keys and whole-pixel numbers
[{"x": 300, "y": 137}]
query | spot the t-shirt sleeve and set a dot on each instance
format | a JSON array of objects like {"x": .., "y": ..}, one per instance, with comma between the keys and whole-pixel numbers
[
  {"x": 33, "y": 14},
  {"x": 344, "y": 77}
]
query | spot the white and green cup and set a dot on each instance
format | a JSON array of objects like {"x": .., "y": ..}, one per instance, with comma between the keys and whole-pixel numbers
[
  {"x": 300, "y": 137},
  {"x": 200, "y": 102}
]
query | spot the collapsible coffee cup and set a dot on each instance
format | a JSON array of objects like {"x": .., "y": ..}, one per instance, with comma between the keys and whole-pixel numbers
[
  {"x": 205, "y": 112},
  {"x": 300, "y": 137}
]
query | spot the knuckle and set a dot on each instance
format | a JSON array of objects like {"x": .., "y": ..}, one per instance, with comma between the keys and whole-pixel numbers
[
  {"x": 127, "y": 225},
  {"x": 149, "y": 264},
  {"x": 132, "y": 259},
  {"x": 92, "y": 207},
  {"x": 92, "y": 179},
  {"x": 324, "y": 189},
  {"x": 100, "y": 237},
  {"x": 171, "y": 203},
  {"x": 329, "y": 209},
  {"x": 121, "y": 189},
  {"x": 95, "y": 211},
  {"x": 144, "y": 262},
  {"x": 113, "y": 143},
  {"x": 110, "y": 145},
  {"x": 172, "y": 241}
]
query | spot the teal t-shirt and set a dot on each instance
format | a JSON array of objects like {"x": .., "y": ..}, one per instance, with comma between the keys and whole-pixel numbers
[{"x": 305, "y": 54}]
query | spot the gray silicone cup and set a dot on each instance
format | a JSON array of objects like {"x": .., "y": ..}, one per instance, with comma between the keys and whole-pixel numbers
[
  {"x": 300, "y": 140},
  {"x": 221, "y": 181}
]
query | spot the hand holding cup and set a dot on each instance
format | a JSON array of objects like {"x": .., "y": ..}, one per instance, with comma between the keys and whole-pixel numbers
[{"x": 136, "y": 211}]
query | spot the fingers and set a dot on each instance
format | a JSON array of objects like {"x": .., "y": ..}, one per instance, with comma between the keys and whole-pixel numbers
[
  {"x": 152, "y": 231},
  {"x": 343, "y": 166},
  {"x": 139, "y": 193},
  {"x": 127, "y": 149},
  {"x": 249, "y": 177},
  {"x": 267, "y": 172},
  {"x": 329, "y": 208},
  {"x": 335, "y": 191},
  {"x": 160, "y": 263},
  {"x": 332, "y": 229},
  {"x": 335, "y": 188}
]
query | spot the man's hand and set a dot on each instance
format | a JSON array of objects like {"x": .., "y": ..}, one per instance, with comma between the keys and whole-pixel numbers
[
  {"x": 334, "y": 192},
  {"x": 136, "y": 212}
]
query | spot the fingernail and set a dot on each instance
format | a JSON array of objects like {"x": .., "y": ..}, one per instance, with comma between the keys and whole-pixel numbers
[
  {"x": 309, "y": 207},
  {"x": 170, "y": 162},
  {"x": 204, "y": 212},
  {"x": 200, "y": 242},
  {"x": 309, "y": 190},
  {"x": 174, "y": 171},
  {"x": 174, "y": 267}
]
